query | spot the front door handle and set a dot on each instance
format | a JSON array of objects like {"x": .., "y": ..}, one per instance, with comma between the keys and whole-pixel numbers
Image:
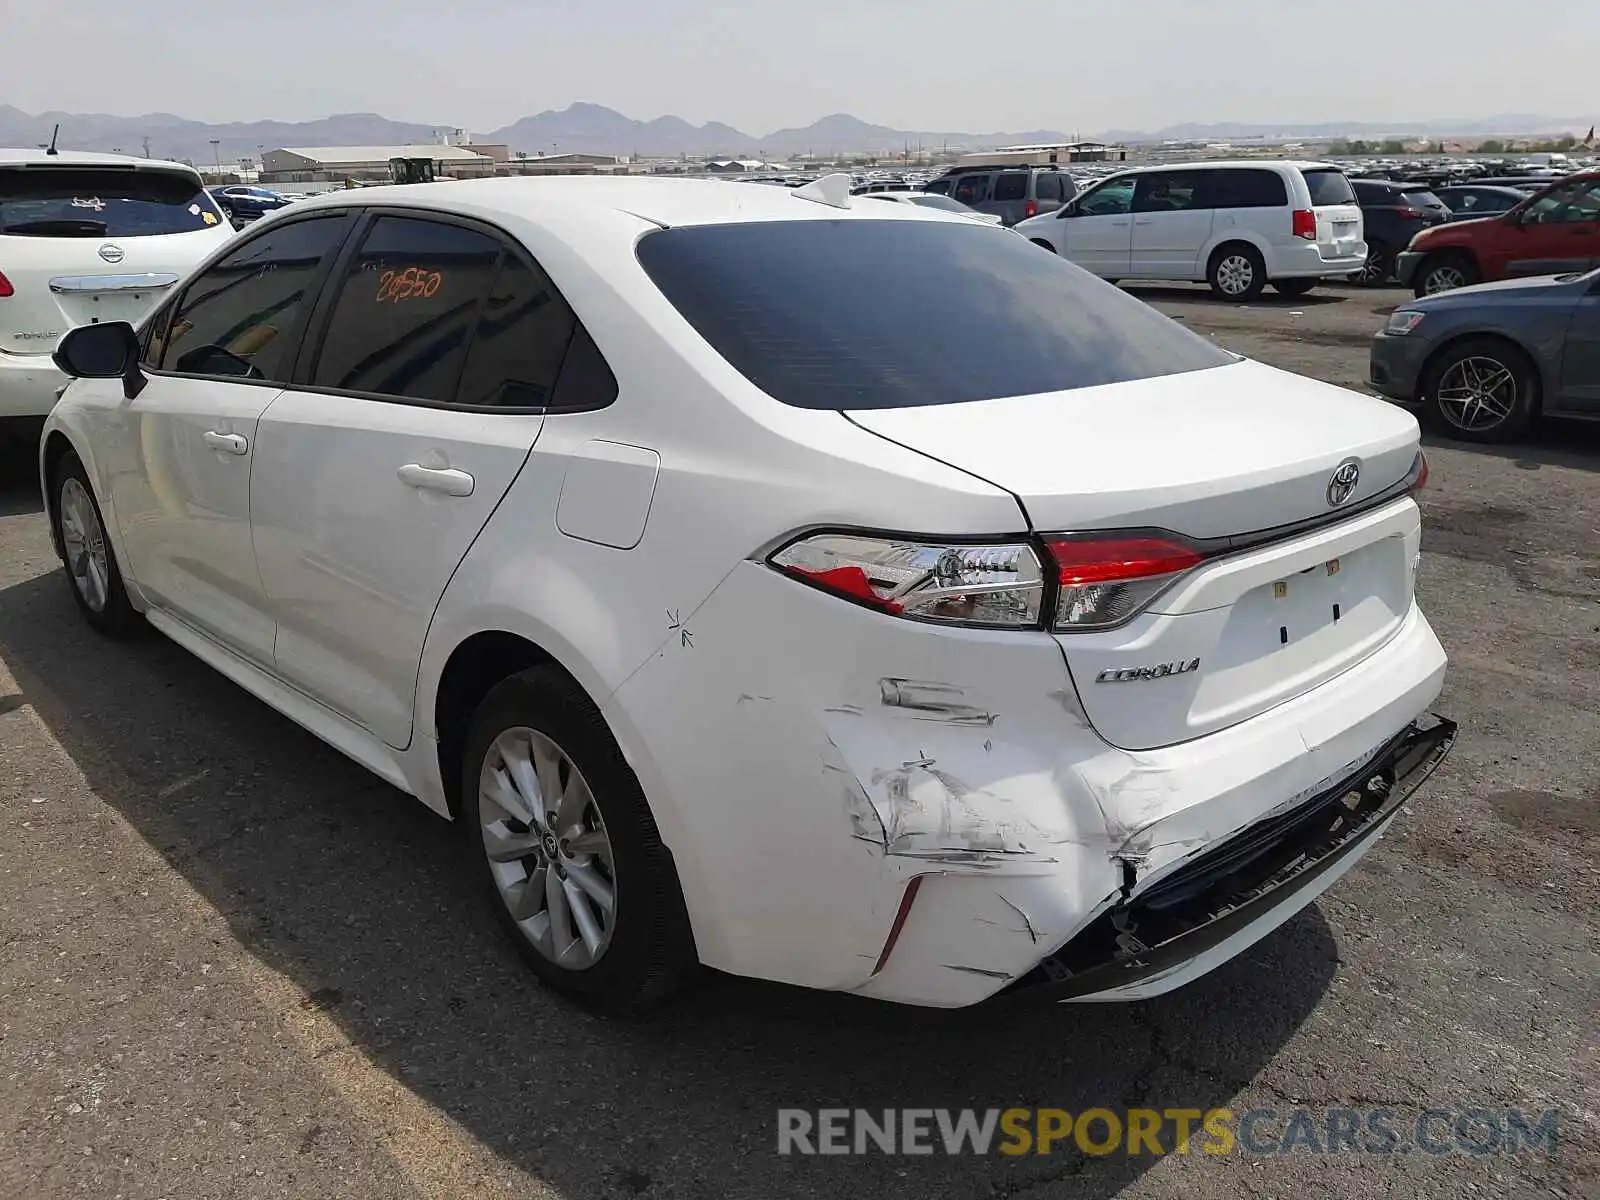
[
  {"x": 229, "y": 443},
  {"x": 1145, "y": 221},
  {"x": 434, "y": 479}
]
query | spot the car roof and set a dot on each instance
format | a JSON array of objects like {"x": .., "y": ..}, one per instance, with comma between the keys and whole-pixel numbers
[
  {"x": 12, "y": 157},
  {"x": 665, "y": 202},
  {"x": 1255, "y": 164}
]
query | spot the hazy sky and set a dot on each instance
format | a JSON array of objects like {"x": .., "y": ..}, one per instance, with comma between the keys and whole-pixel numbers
[{"x": 961, "y": 65}]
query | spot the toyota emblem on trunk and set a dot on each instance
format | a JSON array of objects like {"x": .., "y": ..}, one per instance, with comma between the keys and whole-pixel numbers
[
  {"x": 1343, "y": 483},
  {"x": 111, "y": 252}
]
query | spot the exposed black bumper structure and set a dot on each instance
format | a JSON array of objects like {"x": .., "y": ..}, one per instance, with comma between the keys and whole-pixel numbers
[{"x": 1235, "y": 883}]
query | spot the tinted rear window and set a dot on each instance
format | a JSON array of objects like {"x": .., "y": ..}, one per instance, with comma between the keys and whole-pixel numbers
[
  {"x": 1421, "y": 199},
  {"x": 85, "y": 202},
  {"x": 1244, "y": 189},
  {"x": 894, "y": 314},
  {"x": 1328, "y": 186}
]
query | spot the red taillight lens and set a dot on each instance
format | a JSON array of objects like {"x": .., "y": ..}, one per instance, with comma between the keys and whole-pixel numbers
[
  {"x": 1106, "y": 580},
  {"x": 1030, "y": 208},
  {"x": 1305, "y": 224},
  {"x": 5, "y": 287},
  {"x": 1403, "y": 211},
  {"x": 1419, "y": 473}
]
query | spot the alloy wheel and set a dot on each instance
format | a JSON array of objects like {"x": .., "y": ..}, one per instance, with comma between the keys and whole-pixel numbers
[
  {"x": 1477, "y": 393},
  {"x": 85, "y": 544},
  {"x": 1443, "y": 279},
  {"x": 1235, "y": 274},
  {"x": 1374, "y": 270},
  {"x": 548, "y": 849}
]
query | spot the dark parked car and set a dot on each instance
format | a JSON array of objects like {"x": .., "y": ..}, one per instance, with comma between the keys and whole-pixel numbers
[
  {"x": 1392, "y": 214},
  {"x": 1012, "y": 193},
  {"x": 1469, "y": 201},
  {"x": 1485, "y": 361},
  {"x": 244, "y": 203}
]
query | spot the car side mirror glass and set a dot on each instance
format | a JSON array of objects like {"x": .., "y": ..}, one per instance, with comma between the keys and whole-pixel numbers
[{"x": 103, "y": 351}]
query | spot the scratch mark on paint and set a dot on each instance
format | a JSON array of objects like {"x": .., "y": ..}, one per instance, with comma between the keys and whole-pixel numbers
[
  {"x": 1033, "y": 934},
  {"x": 977, "y": 971}
]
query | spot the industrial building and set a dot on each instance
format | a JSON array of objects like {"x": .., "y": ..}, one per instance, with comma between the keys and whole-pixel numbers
[{"x": 370, "y": 164}]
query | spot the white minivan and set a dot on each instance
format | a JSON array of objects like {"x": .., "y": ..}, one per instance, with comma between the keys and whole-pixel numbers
[
  {"x": 1235, "y": 225},
  {"x": 87, "y": 239}
]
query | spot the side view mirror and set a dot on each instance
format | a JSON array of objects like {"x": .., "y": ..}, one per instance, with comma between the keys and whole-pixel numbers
[
  {"x": 105, "y": 351},
  {"x": 1069, "y": 209}
]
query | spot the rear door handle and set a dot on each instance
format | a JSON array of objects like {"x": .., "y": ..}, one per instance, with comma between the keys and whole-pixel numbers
[
  {"x": 1145, "y": 221},
  {"x": 434, "y": 479},
  {"x": 229, "y": 443}
]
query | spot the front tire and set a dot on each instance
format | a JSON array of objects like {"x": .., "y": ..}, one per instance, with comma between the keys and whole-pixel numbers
[
  {"x": 559, "y": 828},
  {"x": 86, "y": 552},
  {"x": 1445, "y": 273},
  {"x": 1482, "y": 390},
  {"x": 1236, "y": 273}
]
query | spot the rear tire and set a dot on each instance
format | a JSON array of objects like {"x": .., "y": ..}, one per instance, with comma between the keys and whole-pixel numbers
[
  {"x": 91, "y": 563},
  {"x": 1378, "y": 268},
  {"x": 1293, "y": 287},
  {"x": 1482, "y": 389},
  {"x": 1236, "y": 272},
  {"x": 1444, "y": 273},
  {"x": 538, "y": 735}
]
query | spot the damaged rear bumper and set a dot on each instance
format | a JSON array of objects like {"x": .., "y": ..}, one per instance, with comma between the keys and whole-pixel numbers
[{"x": 1234, "y": 894}]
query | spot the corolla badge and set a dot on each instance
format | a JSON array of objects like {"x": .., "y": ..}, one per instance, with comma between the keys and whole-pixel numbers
[
  {"x": 111, "y": 252},
  {"x": 1140, "y": 674},
  {"x": 1342, "y": 484}
]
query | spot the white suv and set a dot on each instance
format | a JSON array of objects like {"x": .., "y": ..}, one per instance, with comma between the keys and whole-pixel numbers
[
  {"x": 922, "y": 650},
  {"x": 87, "y": 238},
  {"x": 1235, "y": 225}
]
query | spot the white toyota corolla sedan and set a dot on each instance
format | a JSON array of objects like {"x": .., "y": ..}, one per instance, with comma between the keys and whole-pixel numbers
[{"x": 821, "y": 590}]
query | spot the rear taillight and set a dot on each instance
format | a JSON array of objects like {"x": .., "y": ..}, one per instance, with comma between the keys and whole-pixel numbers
[
  {"x": 1103, "y": 581},
  {"x": 1096, "y": 581},
  {"x": 1406, "y": 211},
  {"x": 1305, "y": 224},
  {"x": 1418, "y": 478},
  {"x": 997, "y": 585},
  {"x": 1030, "y": 208},
  {"x": 5, "y": 287}
]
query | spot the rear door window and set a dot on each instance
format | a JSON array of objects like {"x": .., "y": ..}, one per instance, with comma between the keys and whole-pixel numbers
[
  {"x": 1328, "y": 185},
  {"x": 241, "y": 317},
  {"x": 102, "y": 202},
  {"x": 1246, "y": 188},
  {"x": 406, "y": 309},
  {"x": 972, "y": 189},
  {"x": 796, "y": 307},
  {"x": 1011, "y": 185},
  {"x": 1166, "y": 192},
  {"x": 521, "y": 338}
]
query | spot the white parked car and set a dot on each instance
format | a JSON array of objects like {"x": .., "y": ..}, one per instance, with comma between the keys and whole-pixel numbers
[
  {"x": 86, "y": 238},
  {"x": 1235, "y": 225},
  {"x": 1006, "y": 637},
  {"x": 939, "y": 203}
]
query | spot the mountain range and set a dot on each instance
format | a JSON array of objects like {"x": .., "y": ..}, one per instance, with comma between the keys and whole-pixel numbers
[{"x": 595, "y": 129}]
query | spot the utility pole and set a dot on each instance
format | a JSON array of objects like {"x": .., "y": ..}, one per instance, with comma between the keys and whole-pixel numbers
[{"x": 147, "y": 147}]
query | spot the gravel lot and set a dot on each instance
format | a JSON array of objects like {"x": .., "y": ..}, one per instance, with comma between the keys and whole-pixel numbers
[{"x": 235, "y": 965}]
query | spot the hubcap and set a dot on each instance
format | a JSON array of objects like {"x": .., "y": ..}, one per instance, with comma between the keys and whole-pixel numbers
[
  {"x": 548, "y": 848},
  {"x": 1235, "y": 274},
  {"x": 1443, "y": 279},
  {"x": 85, "y": 543},
  {"x": 1477, "y": 393}
]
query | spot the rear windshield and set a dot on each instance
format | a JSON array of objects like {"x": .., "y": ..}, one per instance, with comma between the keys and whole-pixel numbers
[
  {"x": 1328, "y": 186},
  {"x": 89, "y": 202},
  {"x": 1421, "y": 199},
  {"x": 895, "y": 314}
]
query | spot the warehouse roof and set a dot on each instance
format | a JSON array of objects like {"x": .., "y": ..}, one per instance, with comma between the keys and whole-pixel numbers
[{"x": 339, "y": 154}]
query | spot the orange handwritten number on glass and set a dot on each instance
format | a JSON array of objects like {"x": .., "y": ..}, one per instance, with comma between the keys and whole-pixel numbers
[{"x": 413, "y": 281}]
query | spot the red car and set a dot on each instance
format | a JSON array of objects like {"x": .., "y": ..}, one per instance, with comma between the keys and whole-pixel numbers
[{"x": 1551, "y": 232}]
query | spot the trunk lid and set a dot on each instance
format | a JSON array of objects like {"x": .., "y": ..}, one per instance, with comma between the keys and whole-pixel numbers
[
  {"x": 1215, "y": 454},
  {"x": 81, "y": 245}
]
